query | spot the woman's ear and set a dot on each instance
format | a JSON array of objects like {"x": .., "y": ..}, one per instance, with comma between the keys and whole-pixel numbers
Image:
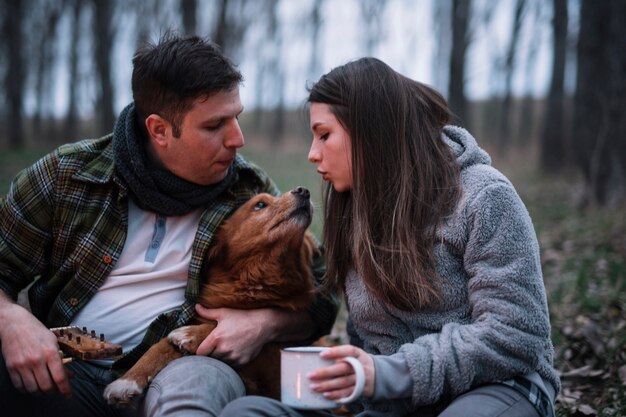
[{"x": 159, "y": 129}]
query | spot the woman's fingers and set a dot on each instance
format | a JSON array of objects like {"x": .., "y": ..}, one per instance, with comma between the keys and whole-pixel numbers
[
  {"x": 333, "y": 371},
  {"x": 342, "y": 351},
  {"x": 342, "y": 374},
  {"x": 341, "y": 383},
  {"x": 335, "y": 381}
]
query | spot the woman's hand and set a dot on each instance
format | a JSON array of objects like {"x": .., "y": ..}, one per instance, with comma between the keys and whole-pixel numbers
[{"x": 338, "y": 380}]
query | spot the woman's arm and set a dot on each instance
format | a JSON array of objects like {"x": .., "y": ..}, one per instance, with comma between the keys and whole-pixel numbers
[{"x": 509, "y": 329}]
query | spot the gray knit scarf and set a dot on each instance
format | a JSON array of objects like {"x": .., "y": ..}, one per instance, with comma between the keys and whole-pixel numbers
[{"x": 152, "y": 187}]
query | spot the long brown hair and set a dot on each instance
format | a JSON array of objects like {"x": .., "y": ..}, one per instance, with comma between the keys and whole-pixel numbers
[{"x": 406, "y": 180}]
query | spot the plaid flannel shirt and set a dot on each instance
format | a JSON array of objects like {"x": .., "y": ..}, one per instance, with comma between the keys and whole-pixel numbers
[{"x": 63, "y": 225}]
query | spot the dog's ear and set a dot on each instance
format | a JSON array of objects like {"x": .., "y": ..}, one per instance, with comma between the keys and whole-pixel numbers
[
  {"x": 309, "y": 248},
  {"x": 218, "y": 249}
]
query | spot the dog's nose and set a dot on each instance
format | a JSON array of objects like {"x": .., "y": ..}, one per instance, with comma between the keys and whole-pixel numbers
[{"x": 303, "y": 192}]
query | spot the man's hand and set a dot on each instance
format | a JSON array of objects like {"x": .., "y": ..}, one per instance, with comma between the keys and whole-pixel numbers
[
  {"x": 31, "y": 352},
  {"x": 240, "y": 334}
]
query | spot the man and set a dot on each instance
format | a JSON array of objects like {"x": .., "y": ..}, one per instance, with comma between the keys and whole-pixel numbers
[{"x": 113, "y": 233}]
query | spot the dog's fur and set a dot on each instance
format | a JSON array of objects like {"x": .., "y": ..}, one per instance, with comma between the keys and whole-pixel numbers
[{"x": 261, "y": 258}]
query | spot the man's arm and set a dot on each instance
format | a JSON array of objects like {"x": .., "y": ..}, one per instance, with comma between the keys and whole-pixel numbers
[{"x": 30, "y": 351}]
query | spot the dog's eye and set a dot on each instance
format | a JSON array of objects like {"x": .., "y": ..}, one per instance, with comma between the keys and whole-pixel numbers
[{"x": 260, "y": 205}]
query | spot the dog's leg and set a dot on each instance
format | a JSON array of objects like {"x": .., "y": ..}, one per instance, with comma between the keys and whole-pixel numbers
[
  {"x": 188, "y": 338},
  {"x": 132, "y": 384}
]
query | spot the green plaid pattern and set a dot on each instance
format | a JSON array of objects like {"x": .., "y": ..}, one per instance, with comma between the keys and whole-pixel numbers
[
  {"x": 63, "y": 225},
  {"x": 533, "y": 393}
]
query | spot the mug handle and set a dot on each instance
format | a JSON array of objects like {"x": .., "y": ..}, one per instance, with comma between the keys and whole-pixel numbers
[{"x": 360, "y": 380}]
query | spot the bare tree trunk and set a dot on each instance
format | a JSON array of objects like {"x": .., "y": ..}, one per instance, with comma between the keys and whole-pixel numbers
[
  {"x": 71, "y": 130},
  {"x": 46, "y": 68},
  {"x": 509, "y": 66},
  {"x": 618, "y": 113},
  {"x": 278, "y": 128},
  {"x": 234, "y": 18},
  {"x": 220, "y": 32},
  {"x": 262, "y": 48},
  {"x": 146, "y": 13},
  {"x": 527, "y": 119},
  {"x": 14, "y": 76},
  {"x": 189, "y": 9},
  {"x": 371, "y": 13},
  {"x": 259, "y": 90},
  {"x": 316, "y": 25},
  {"x": 103, "y": 38},
  {"x": 599, "y": 127},
  {"x": 553, "y": 138},
  {"x": 43, "y": 63},
  {"x": 491, "y": 106},
  {"x": 456, "y": 90}
]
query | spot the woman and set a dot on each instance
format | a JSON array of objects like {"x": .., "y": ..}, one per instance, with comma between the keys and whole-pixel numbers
[{"x": 436, "y": 255}]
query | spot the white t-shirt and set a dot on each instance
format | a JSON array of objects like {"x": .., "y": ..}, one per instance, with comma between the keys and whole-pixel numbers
[{"x": 149, "y": 278}]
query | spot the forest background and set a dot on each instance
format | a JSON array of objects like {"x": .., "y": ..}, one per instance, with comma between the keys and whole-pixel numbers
[{"x": 540, "y": 83}]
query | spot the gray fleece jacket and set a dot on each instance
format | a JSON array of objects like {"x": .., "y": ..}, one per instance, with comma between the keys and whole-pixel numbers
[{"x": 494, "y": 322}]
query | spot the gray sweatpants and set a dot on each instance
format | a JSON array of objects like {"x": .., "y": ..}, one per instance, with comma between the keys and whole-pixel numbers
[
  {"x": 487, "y": 401},
  {"x": 191, "y": 386}
]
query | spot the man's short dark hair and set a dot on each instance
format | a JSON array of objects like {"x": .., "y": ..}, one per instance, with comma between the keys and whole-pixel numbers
[{"x": 170, "y": 75}]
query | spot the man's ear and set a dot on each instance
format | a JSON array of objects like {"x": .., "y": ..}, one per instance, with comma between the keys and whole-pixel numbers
[{"x": 158, "y": 128}]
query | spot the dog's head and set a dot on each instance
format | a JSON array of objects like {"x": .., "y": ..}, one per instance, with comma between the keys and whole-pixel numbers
[
  {"x": 266, "y": 221},
  {"x": 262, "y": 254}
]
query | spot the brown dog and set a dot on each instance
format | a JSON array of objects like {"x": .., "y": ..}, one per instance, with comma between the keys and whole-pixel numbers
[{"x": 261, "y": 258}]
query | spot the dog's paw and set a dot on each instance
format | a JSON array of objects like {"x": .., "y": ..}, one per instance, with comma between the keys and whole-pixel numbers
[
  {"x": 122, "y": 392},
  {"x": 183, "y": 339}
]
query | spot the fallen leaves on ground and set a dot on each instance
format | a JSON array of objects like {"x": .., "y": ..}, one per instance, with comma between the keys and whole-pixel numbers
[{"x": 592, "y": 363}]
